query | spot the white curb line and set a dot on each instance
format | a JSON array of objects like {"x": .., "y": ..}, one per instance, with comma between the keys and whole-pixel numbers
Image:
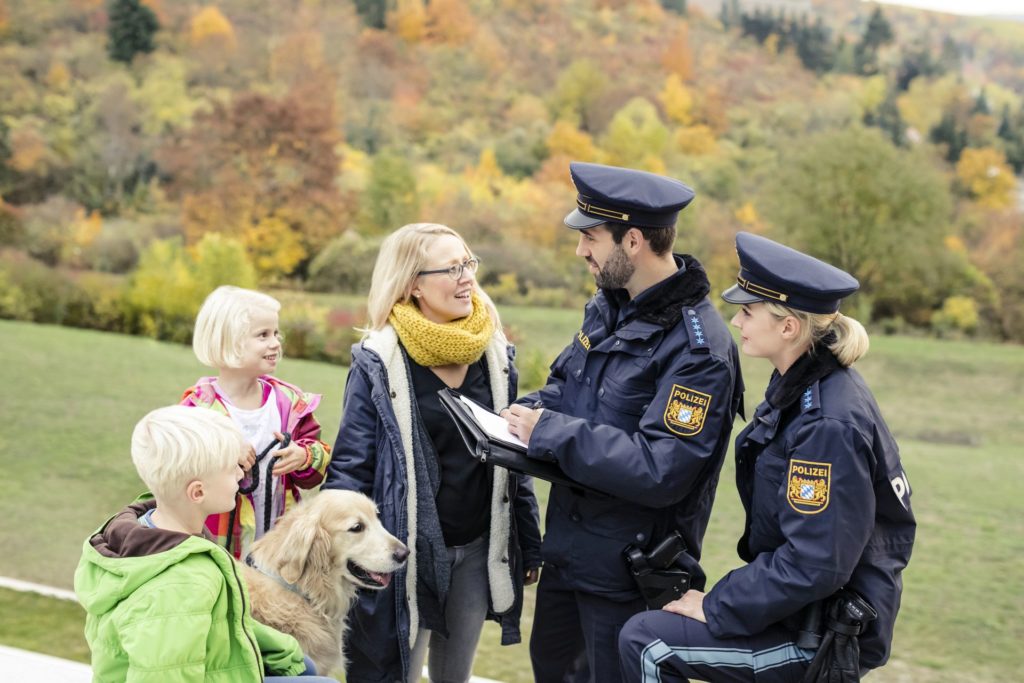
[{"x": 63, "y": 669}]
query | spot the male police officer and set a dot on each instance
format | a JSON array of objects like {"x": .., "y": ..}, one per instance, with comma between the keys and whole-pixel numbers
[{"x": 640, "y": 406}]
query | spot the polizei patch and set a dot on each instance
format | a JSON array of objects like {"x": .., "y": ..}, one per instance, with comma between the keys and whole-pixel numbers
[
  {"x": 809, "y": 484},
  {"x": 686, "y": 410}
]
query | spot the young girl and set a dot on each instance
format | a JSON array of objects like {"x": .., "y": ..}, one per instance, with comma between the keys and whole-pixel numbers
[{"x": 237, "y": 333}]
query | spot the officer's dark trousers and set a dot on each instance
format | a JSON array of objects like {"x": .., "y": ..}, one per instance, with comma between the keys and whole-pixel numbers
[
  {"x": 661, "y": 646},
  {"x": 567, "y": 623}
]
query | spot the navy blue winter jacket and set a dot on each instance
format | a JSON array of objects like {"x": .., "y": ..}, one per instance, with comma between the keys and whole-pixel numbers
[
  {"x": 639, "y": 406},
  {"x": 828, "y": 506},
  {"x": 373, "y": 453}
]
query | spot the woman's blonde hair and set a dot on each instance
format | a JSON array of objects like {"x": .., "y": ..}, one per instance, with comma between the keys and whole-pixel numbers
[
  {"x": 223, "y": 323},
  {"x": 402, "y": 256},
  {"x": 851, "y": 339},
  {"x": 175, "y": 445}
]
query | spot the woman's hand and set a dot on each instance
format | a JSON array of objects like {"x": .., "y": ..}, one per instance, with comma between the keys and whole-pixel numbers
[
  {"x": 690, "y": 605},
  {"x": 521, "y": 420},
  {"x": 290, "y": 458},
  {"x": 532, "y": 575}
]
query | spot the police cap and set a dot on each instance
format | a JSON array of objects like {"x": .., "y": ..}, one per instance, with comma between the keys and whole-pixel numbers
[
  {"x": 608, "y": 194},
  {"x": 770, "y": 271}
]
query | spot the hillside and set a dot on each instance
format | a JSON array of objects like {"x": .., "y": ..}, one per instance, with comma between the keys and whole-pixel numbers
[{"x": 292, "y": 135}]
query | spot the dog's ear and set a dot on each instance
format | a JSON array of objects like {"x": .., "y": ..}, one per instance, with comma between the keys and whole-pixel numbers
[{"x": 302, "y": 542}]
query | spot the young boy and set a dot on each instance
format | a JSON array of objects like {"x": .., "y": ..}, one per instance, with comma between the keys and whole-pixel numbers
[{"x": 164, "y": 603}]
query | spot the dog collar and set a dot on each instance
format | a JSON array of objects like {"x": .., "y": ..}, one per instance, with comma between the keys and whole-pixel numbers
[{"x": 270, "y": 575}]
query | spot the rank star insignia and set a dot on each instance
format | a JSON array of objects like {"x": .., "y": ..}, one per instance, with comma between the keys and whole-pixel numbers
[
  {"x": 809, "y": 486},
  {"x": 685, "y": 410}
]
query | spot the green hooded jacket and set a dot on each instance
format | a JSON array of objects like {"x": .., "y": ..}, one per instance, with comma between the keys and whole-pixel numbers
[{"x": 170, "y": 607}]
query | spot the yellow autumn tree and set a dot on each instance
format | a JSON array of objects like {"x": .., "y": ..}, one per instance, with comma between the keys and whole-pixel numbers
[
  {"x": 986, "y": 177},
  {"x": 210, "y": 29},
  {"x": 568, "y": 140},
  {"x": 58, "y": 77},
  {"x": 273, "y": 246},
  {"x": 485, "y": 180},
  {"x": 696, "y": 140},
  {"x": 82, "y": 232},
  {"x": 676, "y": 100},
  {"x": 409, "y": 20}
]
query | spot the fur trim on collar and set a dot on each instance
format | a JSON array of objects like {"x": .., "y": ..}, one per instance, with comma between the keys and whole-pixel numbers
[
  {"x": 384, "y": 343},
  {"x": 808, "y": 369}
]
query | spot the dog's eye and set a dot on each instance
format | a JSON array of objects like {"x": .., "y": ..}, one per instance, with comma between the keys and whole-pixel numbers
[{"x": 356, "y": 528}]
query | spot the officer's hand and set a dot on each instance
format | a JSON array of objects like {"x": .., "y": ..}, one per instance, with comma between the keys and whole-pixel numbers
[
  {"x": 690, "y": 605},
  {"x": 522, "y": 420},
  {"x": 532, "y": 575}
]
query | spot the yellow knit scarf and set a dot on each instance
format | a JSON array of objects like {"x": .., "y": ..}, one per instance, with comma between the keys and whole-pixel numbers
[{"x": 459, "y": 342}]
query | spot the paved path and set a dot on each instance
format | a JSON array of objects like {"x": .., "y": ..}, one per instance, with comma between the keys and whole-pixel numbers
[
  {"x": 21, "y": 666},
  {"x": 30, "y": 667}
]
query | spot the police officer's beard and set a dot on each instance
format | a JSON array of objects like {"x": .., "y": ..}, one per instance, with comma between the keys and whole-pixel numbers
[{"x": 617, "y": 270}]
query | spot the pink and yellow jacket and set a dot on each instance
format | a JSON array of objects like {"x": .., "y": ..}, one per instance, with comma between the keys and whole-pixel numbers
[{"x": 296, "y": 408}]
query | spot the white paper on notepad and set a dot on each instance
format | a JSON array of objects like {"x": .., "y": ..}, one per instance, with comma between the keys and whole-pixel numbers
[{"x": 495, "y": 426}]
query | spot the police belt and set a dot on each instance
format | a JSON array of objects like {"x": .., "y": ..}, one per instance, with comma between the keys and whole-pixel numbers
[{"x": 665, "y": 572}]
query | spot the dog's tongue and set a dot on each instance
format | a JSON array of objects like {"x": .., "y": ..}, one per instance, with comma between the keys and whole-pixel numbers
[{"x": 382, "y": 579}]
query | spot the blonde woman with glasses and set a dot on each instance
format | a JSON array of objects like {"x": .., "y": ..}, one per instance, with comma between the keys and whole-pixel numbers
[{"x": 473, "y": 530}]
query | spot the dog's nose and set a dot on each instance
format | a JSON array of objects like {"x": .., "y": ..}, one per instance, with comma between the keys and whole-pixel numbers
[{"x": 401, "y": 554}]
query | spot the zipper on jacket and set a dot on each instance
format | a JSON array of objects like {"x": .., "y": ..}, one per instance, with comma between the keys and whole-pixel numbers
[{"x": 241, "y": 589}]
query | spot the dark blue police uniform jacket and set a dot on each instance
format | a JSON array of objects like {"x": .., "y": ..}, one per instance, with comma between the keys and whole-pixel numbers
[
  {"x": 640, "y": 406},
  {"x": 827, "y": 502}
]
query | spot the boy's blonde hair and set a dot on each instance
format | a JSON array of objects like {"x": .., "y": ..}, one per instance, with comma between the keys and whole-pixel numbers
[
  {"x": 175, "y": 445},
  {"x": 223, "y": 323},
  {"x": 851, "y": 339},
  {"x": 402, "y": 256}
]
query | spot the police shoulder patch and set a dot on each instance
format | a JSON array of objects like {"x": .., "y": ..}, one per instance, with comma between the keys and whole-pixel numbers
[
  {"x": 686, "y": 410},
  {"x": 809, "y": 485}
]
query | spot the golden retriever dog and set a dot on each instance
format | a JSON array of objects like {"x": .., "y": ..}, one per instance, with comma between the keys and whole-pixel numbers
[{"x": 304, "y": 573}]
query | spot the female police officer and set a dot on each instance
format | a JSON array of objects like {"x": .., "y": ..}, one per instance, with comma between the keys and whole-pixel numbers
[{"x": 827, "y": 501}]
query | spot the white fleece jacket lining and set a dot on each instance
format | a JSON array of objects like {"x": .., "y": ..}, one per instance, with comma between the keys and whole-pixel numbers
[{"x": 384, "y": 343}]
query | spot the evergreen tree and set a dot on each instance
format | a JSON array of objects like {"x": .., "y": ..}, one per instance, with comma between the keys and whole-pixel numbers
[
  {"x": 729, "y": 13},
  {"x": 948, "y": 132},
  {"x": 814, "y": 48},
  {"x": 676, "y": 6},
  {"x": 981, "y": 104},
  {"x": 373, "y": 12},
  {"x": 949, "y": 56},
  {"x": 131, "y": 29},
  {"x": 889, "y": 120},
  {"x": 1005, "y": 127},
  {"x": 917, "y": 61},
  {"x": 878, "y": 33},
  {"x": 1011, "y": 132}
]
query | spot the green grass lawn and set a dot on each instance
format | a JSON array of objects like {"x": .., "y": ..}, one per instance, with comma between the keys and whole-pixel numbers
[{"x": 957, "y": 409}]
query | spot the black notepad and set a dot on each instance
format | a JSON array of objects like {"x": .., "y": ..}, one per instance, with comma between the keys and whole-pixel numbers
[{"x": 488, "y": 448}]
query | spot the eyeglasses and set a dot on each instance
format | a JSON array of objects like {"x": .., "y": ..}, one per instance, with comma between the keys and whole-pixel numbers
[{"x": 455, "y": 272}]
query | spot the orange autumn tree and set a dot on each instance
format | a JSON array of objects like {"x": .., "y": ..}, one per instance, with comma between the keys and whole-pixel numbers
[{"x": 262, "y": 170}]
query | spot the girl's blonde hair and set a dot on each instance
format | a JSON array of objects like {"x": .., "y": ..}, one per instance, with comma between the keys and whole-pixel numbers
[
  {"x": 223, "y": 323},
  {"x": 402, "y": 256},
  {"x": 175, "y": 445},
  {"x": 851, "y": 339}
]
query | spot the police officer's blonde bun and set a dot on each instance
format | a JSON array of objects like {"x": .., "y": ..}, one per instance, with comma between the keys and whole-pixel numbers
[{"x": 851, "y": 339}]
